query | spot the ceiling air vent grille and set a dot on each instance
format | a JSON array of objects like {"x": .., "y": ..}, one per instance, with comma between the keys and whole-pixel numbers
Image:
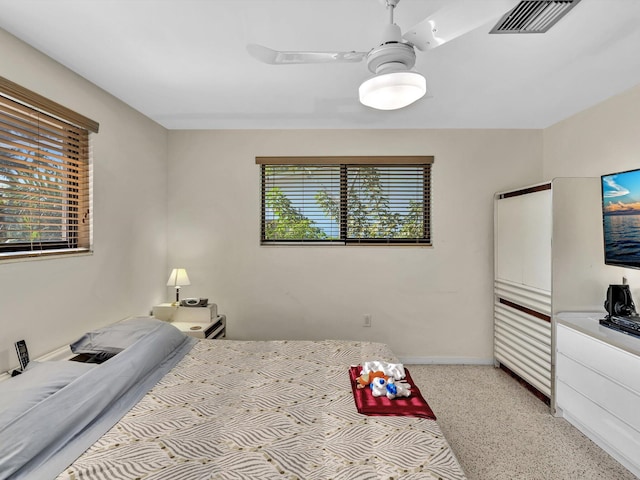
[{"x": 534, "y": 16}]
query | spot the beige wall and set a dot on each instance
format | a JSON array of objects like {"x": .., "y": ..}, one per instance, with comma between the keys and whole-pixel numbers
[
  {"x": 427, "y": 303},
  {"x": 597, "y": 141},
  {"x": 49, "y": 302},
  {"x": 601, "y": 140}
]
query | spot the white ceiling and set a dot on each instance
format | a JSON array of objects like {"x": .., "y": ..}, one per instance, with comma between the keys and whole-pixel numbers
[{"x": 184, "y": 63}]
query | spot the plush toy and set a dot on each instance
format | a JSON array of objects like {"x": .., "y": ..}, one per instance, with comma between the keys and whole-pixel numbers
[
  {"x": 365, "y": 379},
  {"x": 398, "y": 389},
  {"x": 381, "y": 386}
]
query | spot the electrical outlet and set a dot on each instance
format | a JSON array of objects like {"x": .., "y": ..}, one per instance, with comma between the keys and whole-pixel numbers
[{"x": 367, "y": 320}]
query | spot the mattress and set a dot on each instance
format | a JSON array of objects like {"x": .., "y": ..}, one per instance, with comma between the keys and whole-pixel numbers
[{"x": 266, "y": 410}]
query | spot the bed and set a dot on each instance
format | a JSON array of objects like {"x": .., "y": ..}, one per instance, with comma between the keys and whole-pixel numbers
[{"x": 224, "y": 409}]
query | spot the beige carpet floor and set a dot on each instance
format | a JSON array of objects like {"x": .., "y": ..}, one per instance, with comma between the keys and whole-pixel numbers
[{"x": 500, "y": 431}]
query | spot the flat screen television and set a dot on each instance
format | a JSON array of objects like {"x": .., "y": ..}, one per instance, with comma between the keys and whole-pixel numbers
[{"x": 621, "y": 218}]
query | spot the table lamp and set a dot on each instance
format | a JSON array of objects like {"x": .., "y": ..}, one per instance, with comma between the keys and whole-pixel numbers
[{"x": 178, "y": 278}]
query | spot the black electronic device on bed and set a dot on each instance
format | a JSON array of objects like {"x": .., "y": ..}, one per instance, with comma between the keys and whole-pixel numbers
[{"x": 93, "y": 357}]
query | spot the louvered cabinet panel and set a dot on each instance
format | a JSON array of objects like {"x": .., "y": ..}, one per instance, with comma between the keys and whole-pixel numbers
[
  {"x": 526, "y": 296},
  {"x": 522, "y": 342}
]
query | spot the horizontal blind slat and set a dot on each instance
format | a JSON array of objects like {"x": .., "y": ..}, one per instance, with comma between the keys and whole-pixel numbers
[
  {"x": 25, "y": 173},
  {"x": 40, "y": 154},
  {"x": 32, "y": 189},
  {"x": 35, "y": 161},
  {"x": 33, "y": 127}
]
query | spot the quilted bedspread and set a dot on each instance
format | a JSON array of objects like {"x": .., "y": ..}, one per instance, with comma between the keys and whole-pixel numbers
[{"x": 266, "y": 410}]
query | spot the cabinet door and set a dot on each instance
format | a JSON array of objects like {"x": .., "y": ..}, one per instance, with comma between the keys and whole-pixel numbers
[
  {"x": 509, "y": 242},
  {"x": 536, "y": 255},
  {"x": 523, "y": 239}
]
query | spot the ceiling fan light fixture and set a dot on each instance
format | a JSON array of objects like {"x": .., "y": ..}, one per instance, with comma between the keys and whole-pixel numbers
[{"x": 391, "y": 91}]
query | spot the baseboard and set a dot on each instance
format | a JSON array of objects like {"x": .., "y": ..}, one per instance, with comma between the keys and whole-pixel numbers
[{"x": 445, "y": 361}]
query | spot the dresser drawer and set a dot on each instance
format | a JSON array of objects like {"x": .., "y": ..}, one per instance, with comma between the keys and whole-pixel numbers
[
  {"x": 601, "y": 425},
  {"x": 608, "y": 360},
  {"x": 607, "y": 394}
]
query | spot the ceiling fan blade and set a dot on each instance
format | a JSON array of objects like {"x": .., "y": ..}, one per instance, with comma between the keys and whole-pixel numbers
[
  {"x": 275, "y": 57},
  {"x": 455, "y": 19}
]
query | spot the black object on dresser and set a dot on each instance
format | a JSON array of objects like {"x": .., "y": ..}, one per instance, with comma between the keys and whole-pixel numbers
[
  {"x": 630, "y": 325},
  {"x": 621, "y": 311}
]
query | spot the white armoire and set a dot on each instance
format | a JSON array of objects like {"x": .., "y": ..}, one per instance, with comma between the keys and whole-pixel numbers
[{"x": 548, "y": 255}]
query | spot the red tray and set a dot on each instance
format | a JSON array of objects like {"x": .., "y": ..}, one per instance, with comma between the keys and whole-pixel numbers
[{"x": 367, "y": 404}]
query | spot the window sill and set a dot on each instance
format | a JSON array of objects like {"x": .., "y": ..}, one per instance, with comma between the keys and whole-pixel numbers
[
  {"x": 14, "y": 257},
  {"x": 343, "y": 244}
]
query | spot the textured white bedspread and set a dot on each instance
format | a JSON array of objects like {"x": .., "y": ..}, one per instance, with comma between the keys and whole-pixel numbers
[{"x": 266, "y": 410}]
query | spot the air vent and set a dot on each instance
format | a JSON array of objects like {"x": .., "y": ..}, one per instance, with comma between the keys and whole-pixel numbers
[{"x": 534, "y": 16}]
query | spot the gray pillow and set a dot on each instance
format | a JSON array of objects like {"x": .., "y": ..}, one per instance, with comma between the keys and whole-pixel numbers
[
  {"x": 38, "y": 381},
  {"x": 115, "y": 338}
]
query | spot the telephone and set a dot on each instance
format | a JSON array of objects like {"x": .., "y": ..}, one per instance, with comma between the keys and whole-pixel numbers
[
  {"x": 194, "y": 302},
  {"x": 23, "y": 357}
]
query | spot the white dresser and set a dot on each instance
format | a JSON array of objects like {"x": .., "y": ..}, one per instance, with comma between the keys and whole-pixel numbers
[{"x": 598, "y": 384}]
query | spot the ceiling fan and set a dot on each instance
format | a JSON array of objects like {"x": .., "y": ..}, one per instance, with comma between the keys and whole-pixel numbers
[{"x": 394, "y": 84}]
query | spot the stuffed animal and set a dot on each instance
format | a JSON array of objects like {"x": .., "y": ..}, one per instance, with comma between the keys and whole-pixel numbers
[
  {"x": 381, "y": 386},
  {"x": 398, "y": 389},
  {"x": 365, "y": 379}
]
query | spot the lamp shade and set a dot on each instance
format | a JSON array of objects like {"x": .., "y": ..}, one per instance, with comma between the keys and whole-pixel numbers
[
  {"x": 178, "y": 278},
  {"x": 390, "y": 91}
]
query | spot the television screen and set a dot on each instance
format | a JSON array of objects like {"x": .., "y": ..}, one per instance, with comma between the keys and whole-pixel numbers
[{"x": 621, "y": 218}]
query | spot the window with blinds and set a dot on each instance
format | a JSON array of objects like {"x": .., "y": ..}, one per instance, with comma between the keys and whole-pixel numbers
[
  {"x": 44, "y": 176},
  {"x": 352, "y": 200}
]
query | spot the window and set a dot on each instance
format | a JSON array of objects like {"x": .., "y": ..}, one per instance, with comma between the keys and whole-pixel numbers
[
  {"x": 346, "y": 200},
  {"x": 44, "y": 175}
]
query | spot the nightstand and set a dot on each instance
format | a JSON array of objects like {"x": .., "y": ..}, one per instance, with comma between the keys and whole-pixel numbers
[
  {"x": 212, "y": 330},
  {"x": 199, "y": 322}
]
